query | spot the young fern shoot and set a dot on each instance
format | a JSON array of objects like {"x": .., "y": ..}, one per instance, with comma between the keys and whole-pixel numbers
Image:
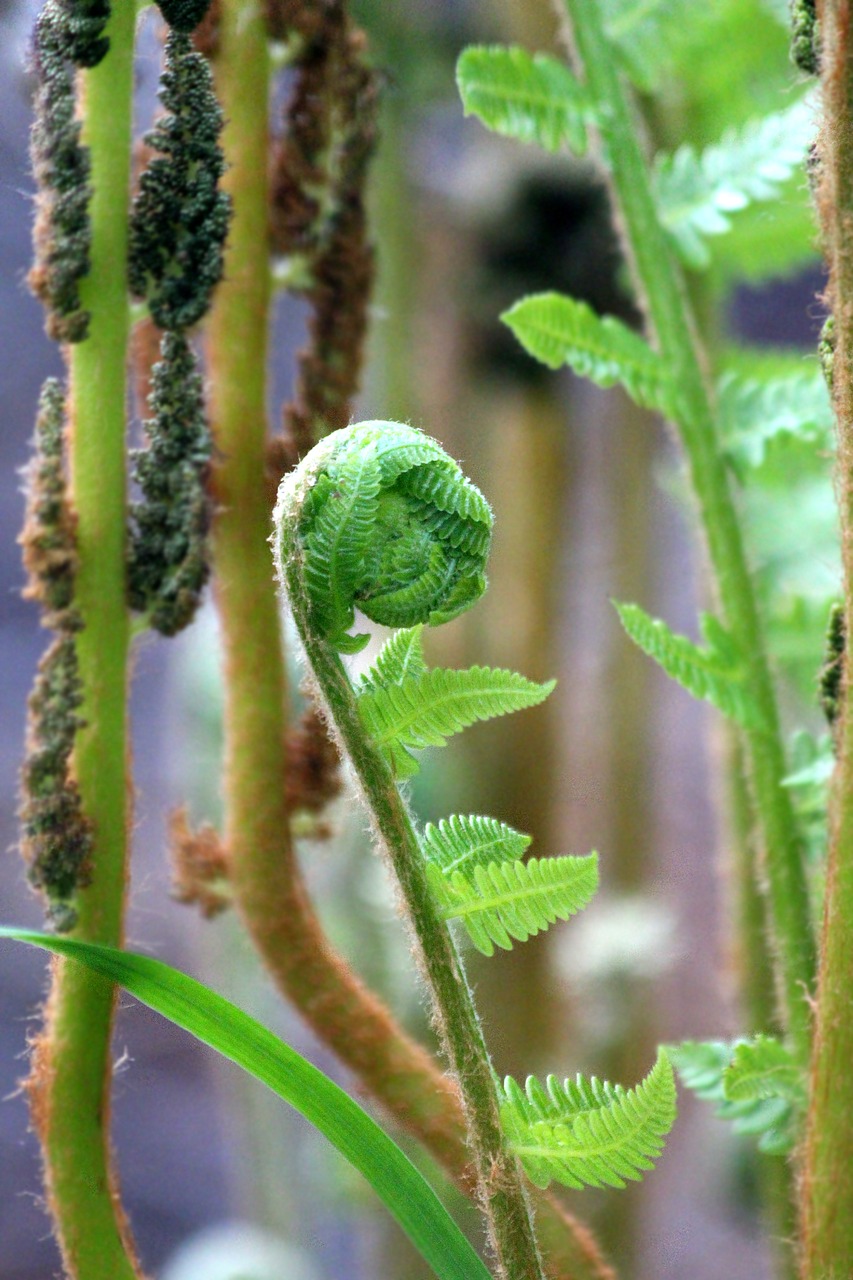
[{"x": 378, "y": 517}]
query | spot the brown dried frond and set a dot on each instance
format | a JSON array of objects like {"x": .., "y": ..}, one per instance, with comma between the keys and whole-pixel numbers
[
  {"x": 206, "y": 36},
  {"x": 313, "y": 775},
  {"x": 308, "y": 19},
  {"x": 318, "y": 211},
  {"x": 199, "y": 865}
]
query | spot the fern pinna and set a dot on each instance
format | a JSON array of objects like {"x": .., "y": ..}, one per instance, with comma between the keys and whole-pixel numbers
[
  {"x": 378, "y": 518},
  {"x": 677, "y": 213}
]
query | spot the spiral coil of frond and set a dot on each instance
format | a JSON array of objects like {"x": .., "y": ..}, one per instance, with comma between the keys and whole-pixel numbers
[{"x": 385, "y": 522}]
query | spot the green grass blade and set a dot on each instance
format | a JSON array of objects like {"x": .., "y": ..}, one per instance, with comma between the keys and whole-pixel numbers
[{"x": 220, "y": 1024}]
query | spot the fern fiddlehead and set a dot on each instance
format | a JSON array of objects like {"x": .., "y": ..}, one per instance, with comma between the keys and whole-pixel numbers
[
  {"x": 378, "y": 517},
  {"x": 382, "y": 497}
]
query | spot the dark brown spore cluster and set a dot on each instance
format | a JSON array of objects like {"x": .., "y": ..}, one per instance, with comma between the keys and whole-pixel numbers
[
  {"x": 177, "y": 236},
  {"x": 56, "y": 839},
  {"x": 68, "y": 35}
]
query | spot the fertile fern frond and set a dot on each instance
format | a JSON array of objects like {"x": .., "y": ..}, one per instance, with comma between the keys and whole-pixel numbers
[
  {"x": 763, "y": 1068},
  {"x": 460, "y": 843},
  {"x": 400, "y": 656},
  {"x": 558, "y": 330},
  {"x": 716, "y": 674},
  {"x": 530, "y": 97},
  {"x": 426, "y": 709},
  {"x": 702, "y": 1068},
  {"x": 697, "y": 193},
  {"x": 501, "y": 901},
  {"x": 588, "y": 1132},
  {"x": 754, "y": 412}
]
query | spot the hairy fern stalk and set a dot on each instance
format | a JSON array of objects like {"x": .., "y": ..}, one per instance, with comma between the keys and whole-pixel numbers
[{"x": 378, "y": 517}]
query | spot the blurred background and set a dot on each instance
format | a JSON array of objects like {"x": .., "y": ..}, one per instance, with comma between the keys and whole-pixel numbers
[{"x": 220, "y": 1182}]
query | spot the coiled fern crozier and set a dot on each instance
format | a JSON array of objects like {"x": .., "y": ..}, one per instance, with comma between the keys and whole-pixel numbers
[{"x": 378, "y": 518}]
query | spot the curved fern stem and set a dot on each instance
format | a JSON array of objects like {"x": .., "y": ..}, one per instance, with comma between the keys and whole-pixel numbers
[
  {"x": 501, "y": 1190},
  {"x": 71, "y": 1075},
  {"x": 269, "y": 891},
  {"x": 662, "y": 289}
]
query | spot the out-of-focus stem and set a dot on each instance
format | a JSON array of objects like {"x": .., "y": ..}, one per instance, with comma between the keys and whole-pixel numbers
[
  {"x": 268, "y": 889},
  {"x": 662, "y": 290},
  {"x": 826, "y": 1185}
]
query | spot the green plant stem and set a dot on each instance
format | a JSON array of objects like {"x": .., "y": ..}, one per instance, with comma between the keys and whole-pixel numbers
[
  {"x": 827, "y": 1187},
  {"x": 662, "y": 289},
  {"x": 501, "y": 1191},
  {"x": 71, "y": 1075},
  {"x": 268, "y": 888}
]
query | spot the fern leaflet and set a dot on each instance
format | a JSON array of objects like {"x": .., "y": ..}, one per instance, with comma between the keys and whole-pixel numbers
[
  {"x": 755, "y": 412},
  {"x": 402, "y": 655},
  {"x": 645, "y": 35},
  {"x": 698, "y": 192},
  {"x": 336, "y": 547},
  {"x": 715, "y": 674},
  {"x": 426, "y": 709},
  {"x": 558, "y": 330},
  {"x": 588, "y": 1132},
  {"x": 502, "y": 901},
  {"x": 530, "y": 97},
  {"x": 702, "y": 1067},
  {"x": 460, "y": 843},
  {"x": 763, "y": 1068}
]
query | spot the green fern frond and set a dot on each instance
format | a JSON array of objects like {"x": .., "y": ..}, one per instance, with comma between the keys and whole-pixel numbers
[
  {"x": 530, "y": 97},
  {"x": 646, "y": 35},
  {"x": 702, "y": 1066},
  {"x": 715, "y": 674},
  {"x": 763, "y": 1068},
  {"x": 427, "y": 709},
  {"x": 501, "y": 901},
  {"x": 754, "y": 412},
  {"x": 697, "y": 193},
  {"x": 558, "y": 330},
  {"x": 336, "y": 548},
  {"x": 400, "y": 656},
  {"x": 589, "y": 1133},
  {"x": 460, "y": 843}
]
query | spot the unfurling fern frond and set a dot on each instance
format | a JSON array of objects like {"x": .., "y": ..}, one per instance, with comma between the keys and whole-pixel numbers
[
  {"x": 336, "y": 546},
  {"x": 588, "y": 1132},
  {"x": 378, "y": 518},
  {"x": 557, "y": 330},
  {"x": 399, "y": 657},
  {"x": 530, "y": 97},
  {"x": 716, "y": 674},
  {"x": 697, "y": 193},
  {"x": 502, "y": 901},
  {"x": 754, "y": 412},
  {"x": 461, "y": 843},
  {"x": 706, "y": 1068},
  {"x": 427, "y": 709}
]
